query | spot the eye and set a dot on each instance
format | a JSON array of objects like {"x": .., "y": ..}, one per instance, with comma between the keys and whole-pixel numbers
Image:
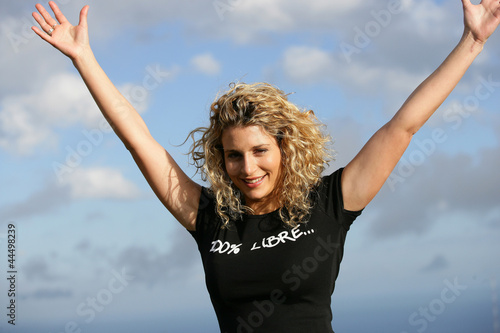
[
  {"x": 260, "y": 151},
  {"x": 233, "y": 155}
]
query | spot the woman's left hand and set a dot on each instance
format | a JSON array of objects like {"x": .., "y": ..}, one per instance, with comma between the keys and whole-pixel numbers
[{"x": 481, "y": 20}]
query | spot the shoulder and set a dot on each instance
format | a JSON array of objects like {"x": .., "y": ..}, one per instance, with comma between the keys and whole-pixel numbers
[
  {"x": 328, "y": 198},
  {"x": 206, "y": 217},
  {"x": 207, "y": 198},
  {"x": 329, "y": 183}
]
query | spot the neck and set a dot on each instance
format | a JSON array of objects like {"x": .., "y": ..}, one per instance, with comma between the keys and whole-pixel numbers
[{"x": 263, "y": 207}]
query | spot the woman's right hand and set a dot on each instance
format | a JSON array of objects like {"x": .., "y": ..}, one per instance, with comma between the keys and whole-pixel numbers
[{"x": 73, "y": 41}]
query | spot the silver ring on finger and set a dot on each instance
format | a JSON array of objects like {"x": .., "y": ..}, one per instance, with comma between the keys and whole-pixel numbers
[{"x": 51, "y": 30}]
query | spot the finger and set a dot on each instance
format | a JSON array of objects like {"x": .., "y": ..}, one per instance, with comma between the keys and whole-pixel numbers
[
  {"x": 466, "y": 3},
  {"x": 39, "y": 19},
  {"x": 83, "y": 16},
  {"x": 57, "y": 12},
  {"x": 49, "y": 21},
  {"x": 46, "y": 28},
  {"x": 41, "y": 33}
]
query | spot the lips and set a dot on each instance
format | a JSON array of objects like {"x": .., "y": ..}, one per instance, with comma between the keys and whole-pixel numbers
[{"x": 253, "y": 181}]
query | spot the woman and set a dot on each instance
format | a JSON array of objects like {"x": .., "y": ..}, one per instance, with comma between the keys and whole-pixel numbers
[{"x": 270, "y": 229}]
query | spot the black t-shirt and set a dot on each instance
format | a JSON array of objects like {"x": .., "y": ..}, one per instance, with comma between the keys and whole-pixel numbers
[{"x": 263, "y": 276}]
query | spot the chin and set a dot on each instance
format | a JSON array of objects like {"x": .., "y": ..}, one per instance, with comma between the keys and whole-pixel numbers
[{"x": 256, "y": 198}]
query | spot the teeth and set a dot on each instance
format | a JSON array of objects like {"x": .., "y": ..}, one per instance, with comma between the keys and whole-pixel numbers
[{"x": 253, "y": 181}]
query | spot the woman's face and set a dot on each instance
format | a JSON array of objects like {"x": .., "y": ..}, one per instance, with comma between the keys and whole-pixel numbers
[{"x": 253, "y": 162}]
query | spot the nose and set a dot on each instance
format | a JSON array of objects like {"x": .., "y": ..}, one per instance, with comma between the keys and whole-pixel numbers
[{"x": 249, "y": 165}]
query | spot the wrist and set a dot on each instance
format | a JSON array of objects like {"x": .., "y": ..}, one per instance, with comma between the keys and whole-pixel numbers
[
  {"x": 472, "y": 43},
  {"x": 83, "y": 58}
]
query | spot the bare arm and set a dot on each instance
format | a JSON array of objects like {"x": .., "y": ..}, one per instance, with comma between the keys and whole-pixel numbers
[
  {"x": 366, "y": 173},
  {"x": 176, "y": 191}
]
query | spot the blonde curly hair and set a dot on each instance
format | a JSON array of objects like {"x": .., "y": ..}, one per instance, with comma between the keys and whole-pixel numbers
[{"x": 299, "y": 134}]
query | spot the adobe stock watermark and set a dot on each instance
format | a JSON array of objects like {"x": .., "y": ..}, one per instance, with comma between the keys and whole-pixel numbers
[
  {"x": 429, "y": 313},
  {"x": 454, "y": 116},
  {"x": 363, "y": 36},
  {"x": 19, "y": 33},
  {"x": 96, "y": 304},
  {"x": 94, "y": 137},
  {"x": 223, "y": 6},
  {"x": 293, "y": 277}
]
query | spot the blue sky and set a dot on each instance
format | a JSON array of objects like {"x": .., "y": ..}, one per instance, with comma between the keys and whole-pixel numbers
[{"x": 97, "y": 252}]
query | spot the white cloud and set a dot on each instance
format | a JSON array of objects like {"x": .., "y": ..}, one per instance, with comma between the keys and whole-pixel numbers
[
  {"x": 100, "y": 183},
  {"x": 304, "y": 64},
  {"x": 80, "y": 184},
  {"x": 19, "y": 132},
  {"x": 243, "y": 21},
  {"x": 248, "y": 21},
  {"x": 64, "y": 99},
  {"x": 206, "y": 64},
  {"x": 426, "y": 15},
  {"x": 365, "y": 78},
  {"x": 27, "y": 120},
  {"x": 246, "y": 17}
]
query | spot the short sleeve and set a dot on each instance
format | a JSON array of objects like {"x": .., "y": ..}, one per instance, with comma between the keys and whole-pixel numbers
[
  {"x": 331, "y": 199},
  {"x": 206, "y": 215}
]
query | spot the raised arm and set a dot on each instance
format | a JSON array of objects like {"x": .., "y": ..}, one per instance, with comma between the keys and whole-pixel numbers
[
  {"x": 176, "y": 191},
  {"x": 366, "y": 173}
]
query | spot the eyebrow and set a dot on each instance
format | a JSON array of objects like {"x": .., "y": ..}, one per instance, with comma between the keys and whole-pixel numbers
[{"x": 264, "y": 145}]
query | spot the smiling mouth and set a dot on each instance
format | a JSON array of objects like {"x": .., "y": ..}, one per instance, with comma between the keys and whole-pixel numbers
[{"x": 254, "y": 181}]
